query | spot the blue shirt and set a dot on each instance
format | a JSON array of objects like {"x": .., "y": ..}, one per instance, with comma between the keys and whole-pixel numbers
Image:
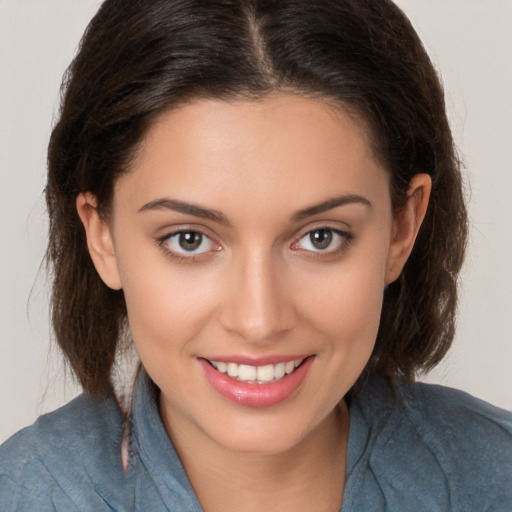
[{"x": 416, "y": 448}]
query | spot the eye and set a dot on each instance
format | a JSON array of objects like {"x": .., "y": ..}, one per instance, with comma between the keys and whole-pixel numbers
[
  {"x": 323, "y": 239},
  {"x": 187, "y": 242}
]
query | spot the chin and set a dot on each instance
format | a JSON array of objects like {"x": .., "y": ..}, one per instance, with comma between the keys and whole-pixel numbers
[{"x": 267, "y": 433}]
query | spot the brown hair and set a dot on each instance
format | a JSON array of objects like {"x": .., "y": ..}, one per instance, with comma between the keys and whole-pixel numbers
[{"x": 140, "y": 58}]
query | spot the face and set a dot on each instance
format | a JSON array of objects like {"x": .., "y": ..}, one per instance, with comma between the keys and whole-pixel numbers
[{"x": 253, "y": 241}]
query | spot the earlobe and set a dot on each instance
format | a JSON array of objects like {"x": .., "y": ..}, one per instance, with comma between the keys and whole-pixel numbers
[
  {"x": 406, "y": 225},
  {"x": 99, "y": 240}
]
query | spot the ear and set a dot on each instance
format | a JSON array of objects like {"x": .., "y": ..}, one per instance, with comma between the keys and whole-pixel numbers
[
  {"x": 99, "y": 240},
  {"x": 406, "y": 224}
]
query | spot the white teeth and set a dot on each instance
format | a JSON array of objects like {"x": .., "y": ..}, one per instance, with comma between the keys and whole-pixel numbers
[
  {"x": 232, "y": 369},
  {"x": 257, "y": 374},
  {"x": 289, "y": 367},
  {"x": 266, "y": 373},
  {"x": 279, "y": 371},
  {"x": 222, "y": 367},
  {"x": 246, "y": 372}
]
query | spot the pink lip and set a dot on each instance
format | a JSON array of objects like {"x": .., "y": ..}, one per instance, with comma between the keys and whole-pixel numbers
[{"x": 256, "y": 395}]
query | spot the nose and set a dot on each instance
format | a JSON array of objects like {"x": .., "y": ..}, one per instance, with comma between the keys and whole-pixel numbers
[{"x": 257, "y": 308}]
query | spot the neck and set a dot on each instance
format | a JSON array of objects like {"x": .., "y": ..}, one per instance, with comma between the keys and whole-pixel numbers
[{"x": 309, "y": 476}]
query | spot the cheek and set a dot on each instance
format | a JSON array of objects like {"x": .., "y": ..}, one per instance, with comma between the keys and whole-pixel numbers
[
  {"x": 350, "y": 308},
  {"x": 348, "y": 320},
  {"x": 345, "y": 304},
  {"x": 166, "y": 308},
  {"x": 353, "y": 287}
]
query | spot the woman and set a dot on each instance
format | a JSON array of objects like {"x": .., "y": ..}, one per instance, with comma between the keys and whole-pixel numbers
[{"x": 264, "y": 199}]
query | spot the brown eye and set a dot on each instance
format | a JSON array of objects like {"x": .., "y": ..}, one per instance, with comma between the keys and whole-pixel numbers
[
  {"x": 321, "y": 238},
  {"x": 186, "y": 243},
  {"x": 190, "y": 240}
]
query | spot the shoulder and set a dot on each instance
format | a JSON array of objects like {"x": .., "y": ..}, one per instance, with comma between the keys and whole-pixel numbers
[
  {"x": 467, "y": 441},
  {"x": 49, "y": 464},
  {"x": 83, "y": 425},
  {"x": 427, "y": 448},
  {"x": 457, "y": 419}
]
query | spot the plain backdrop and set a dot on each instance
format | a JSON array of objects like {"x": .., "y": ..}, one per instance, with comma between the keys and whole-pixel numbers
[{"x": 470, "y": 42}]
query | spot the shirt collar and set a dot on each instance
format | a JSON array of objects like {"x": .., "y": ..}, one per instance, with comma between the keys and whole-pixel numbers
[{"x": 156, "y": 450}]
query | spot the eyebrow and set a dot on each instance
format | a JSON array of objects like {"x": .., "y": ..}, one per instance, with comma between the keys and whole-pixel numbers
[
  {"x": 186, "y": 208},
  {"x": 329, "y": 205},
  {"x": 216, "y": 216}
]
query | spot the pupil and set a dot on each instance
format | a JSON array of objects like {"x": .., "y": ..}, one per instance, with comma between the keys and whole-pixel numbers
[
  {"x": 321, "y": 238},
  {"x": 190, "y": 240}
]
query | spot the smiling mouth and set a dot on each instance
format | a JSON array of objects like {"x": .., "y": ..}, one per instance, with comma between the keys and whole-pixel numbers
[{"x": 257, "y": 374}]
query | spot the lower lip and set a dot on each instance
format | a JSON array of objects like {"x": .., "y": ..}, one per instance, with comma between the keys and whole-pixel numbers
[{"x": 256, "y": 395}]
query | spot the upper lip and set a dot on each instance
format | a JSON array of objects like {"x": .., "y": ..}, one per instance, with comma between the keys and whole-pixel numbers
[{"x": 257, "y": 361}]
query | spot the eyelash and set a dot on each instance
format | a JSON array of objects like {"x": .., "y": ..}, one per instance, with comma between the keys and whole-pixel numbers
[{"x": 163, "y": 242}]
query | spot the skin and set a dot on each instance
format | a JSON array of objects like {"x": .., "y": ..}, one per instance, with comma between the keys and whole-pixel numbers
[{"x": 257, "y": 286}]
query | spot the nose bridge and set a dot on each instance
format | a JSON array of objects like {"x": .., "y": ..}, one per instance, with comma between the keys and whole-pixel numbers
[{"x": 258, "y": 308}]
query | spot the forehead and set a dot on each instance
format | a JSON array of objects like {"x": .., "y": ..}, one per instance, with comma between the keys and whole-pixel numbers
[{"x": 279, "y": 147}]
